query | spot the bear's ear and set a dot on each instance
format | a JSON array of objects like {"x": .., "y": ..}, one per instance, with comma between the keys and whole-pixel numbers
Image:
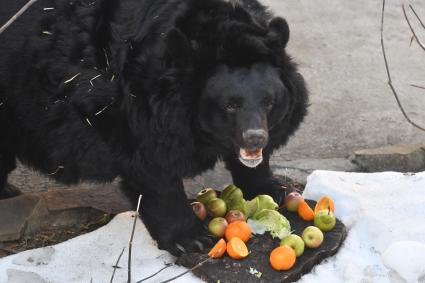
[
  {"x": 279, "y": 27},
  {"x": 179, "y": 47}
]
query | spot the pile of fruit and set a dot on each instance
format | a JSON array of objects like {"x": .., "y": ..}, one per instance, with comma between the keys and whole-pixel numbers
[{"x": 233, "y": 219}]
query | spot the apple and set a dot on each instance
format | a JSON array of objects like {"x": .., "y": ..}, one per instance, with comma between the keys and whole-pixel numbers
[
  {"x": 324, "y": 220},
  {"x": 312, "y": 237},
  {"x": 231, "y": 193},
  {"x": 292, "y": 200},
  {"x": 295, "y": 242},
  {"x": 199, "y": 209},
  {"x": 217, "y": 207},
  {"x": 235, "y": 215},
  {"x": 217, "y": 226},
  {"x": 206, "y": 195}
]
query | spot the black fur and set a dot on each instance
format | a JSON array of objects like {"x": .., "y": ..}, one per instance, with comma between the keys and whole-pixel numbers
[{"x": 149, "y": 90}]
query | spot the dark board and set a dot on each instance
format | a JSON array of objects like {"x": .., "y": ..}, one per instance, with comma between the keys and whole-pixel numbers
[{"x": 229, "y": 270}]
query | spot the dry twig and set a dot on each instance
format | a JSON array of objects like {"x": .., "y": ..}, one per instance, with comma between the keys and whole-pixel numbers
[
  {"x": 411, "y": 28},
  {"x": 389, "y": 74},
  {"x": 116, "y": 265},
  {"x": 167, "y": 265},
  {"x": 417, "y": 16},
  {"x": 17, "y": 15},
  {"x": 187, "y": 271},
  {"x": 130, "y": 244}
]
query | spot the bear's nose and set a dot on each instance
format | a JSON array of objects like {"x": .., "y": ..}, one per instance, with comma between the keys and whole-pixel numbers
[{"x": 255, "y": 138}]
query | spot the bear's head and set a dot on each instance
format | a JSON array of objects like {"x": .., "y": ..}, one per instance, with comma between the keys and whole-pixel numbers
[{"x": 252, "y": 98}]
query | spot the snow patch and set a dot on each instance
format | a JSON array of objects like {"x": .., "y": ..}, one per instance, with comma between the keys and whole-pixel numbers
[{"x": 407, "y": 259}]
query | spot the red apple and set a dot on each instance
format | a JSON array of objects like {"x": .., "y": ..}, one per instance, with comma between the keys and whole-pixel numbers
[
  {"x": 292, "y": 200},
  {"x": 199, "y": 209},
  {"x": 234, "y": 215}
]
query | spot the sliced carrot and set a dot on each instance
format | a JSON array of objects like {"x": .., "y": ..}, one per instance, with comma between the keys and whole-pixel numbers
[
  {"x": 324, "y": 202},
  {"x": 236, "y": 248},
  {"x": 219, "y": 249},
  {"x": 305, "y": 211}
]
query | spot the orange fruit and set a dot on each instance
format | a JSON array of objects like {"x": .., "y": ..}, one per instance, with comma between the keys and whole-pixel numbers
[
  {"x": 324, "y": 202},
  {"x": 219, "y": 249},
  {"x": 236, "y": 248},
  {"x": 238, "y": 229},
  {"x": 305, "y": 211},
  {"x": 282, "y": 258}
]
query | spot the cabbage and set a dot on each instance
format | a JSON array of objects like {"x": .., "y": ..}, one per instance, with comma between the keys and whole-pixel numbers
[
  {"x": 259, "y": 203},
  {"x": 272, "y": 221}
]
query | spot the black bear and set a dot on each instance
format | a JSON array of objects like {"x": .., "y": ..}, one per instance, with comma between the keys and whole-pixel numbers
[{"x": 152, "y": 91}]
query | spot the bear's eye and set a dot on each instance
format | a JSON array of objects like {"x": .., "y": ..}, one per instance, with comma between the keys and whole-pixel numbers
[
  {"x": 232, "y": 106},
  {"x": 268, "y": 103}
]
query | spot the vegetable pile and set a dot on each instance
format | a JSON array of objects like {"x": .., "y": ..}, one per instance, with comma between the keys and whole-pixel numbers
[{"x": 233, "y": 220}]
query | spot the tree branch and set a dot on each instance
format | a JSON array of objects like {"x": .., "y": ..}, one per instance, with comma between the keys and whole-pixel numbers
[
  {"x": 388, "y": 71},
  {"x": 411, "y": 28},
  {"x": 17, "y": 15}
]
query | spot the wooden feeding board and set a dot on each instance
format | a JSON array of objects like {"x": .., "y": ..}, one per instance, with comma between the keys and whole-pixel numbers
[{"x": 227, "y": 269}]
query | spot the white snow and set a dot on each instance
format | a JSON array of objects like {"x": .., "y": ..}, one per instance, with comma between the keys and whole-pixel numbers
[
  {"x": 384, "y": 213},
  {"x": 380, "y": 210},
  {"x": 92, "y": 257}
]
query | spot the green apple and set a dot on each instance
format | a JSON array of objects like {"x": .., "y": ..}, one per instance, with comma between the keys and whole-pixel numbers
[
  {"x": 217, "y": 207},
  {"x": 292, "y": 200},
  {"x": 324, "y": 220},
  {"x": 312, "y": 237},
  {"x": 237, "y": 204},
  {"x": 217, "y": 226},
  {"x": 206, "y": 195},
  {"x": 295, "y": 242},
  {"x": 231, "y": 193}
]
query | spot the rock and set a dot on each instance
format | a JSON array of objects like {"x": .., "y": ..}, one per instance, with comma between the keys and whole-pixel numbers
[
  {"x": 400, "y": 158},
  {"x": 226, "y": 269},
  {"x": 18, "y": 276},
  {"x": 15, "y": 213}
]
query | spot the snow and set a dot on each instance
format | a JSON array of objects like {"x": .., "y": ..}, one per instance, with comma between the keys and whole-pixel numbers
[
  {"x": 92, "y": 257},
  {"x": 381, "y": 211},
  {"x": 384, "y": 213}
]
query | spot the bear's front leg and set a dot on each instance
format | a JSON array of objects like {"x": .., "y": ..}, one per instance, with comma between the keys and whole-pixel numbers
[
  {"x": 167, "y": 214},
  {"x": 255, "y": 181}
]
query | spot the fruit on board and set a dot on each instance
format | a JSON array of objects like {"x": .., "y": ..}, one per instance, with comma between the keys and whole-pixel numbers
[
  {"x": 219, "y": 249},
  {"x": 234, "y": 215},
  {"x": 295, "y": 242},
  {"x": 236, "y": 248},
  {"x": 292, "y": 200},
  {"x": 217, "y": 226},
  {"x": 324, "y": 202},
  {"x": 206, "y": 195},
  {"x": 324, "y": 220},
  {"x": 305, "y": 211},
  {"x": 282, "y": 258},
  {"x": 239, "y": 229},
  {"x": 312, "y": 237},
  {"x": 199, "y": 209},
  {"x": 217, "y": 207}
]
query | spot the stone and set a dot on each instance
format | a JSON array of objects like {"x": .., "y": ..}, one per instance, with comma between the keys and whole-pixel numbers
[
  {"x": 15, "y": 213},
  {"x": 400, "y": 158}
]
